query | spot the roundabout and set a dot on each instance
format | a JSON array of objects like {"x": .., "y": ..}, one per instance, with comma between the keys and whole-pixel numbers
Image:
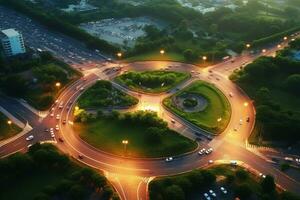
[
  {"x": 190, "y": 102},
  {"x": 130, "y": 176}
]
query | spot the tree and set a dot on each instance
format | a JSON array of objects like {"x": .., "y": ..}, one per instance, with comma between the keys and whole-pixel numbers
[
  {"x": 189, "y": 55},
  {"x": 243, "y": 191},
  {"x": 268, "y": 184},
  {"x": 174, "y": 192},
  {"x": 292, "y": 83},
  {"x": 241, "y": 174}
]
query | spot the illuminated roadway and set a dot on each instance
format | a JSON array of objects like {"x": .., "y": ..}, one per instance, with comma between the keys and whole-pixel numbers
[{"x": 129, "y": 176}]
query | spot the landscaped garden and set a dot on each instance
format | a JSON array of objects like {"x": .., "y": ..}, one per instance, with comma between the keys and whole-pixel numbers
[
  {"x": 152, "y": 81},
  {"x": 104, "y": 95},
  {"x": 202, "y": 104},
  {"x": 44, "y": 173},
  {"x": 147, "y": 135},
  {"x": 7, "y": 127},
  {"x": 220, "y": 181}
]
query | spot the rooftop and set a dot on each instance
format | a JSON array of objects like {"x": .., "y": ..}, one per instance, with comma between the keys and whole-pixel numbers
[{"x": 10, "y": 32}]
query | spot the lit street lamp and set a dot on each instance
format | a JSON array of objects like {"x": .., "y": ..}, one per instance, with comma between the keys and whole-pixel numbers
[
  {"x": 204, "y": 58},
  {"x": 162, "y": 52},
  {"x": 119, "y": 55},
  {"x": 248, "y": 46},
  {"x": 58, "y": 84},
  {"x": 9, "y": 122},
  {"x": 279, "y": 46},
  {"x": 76, "y": 108},
  {"x": 125, "y": 143},
  {"x": 285, "y": 38},
  {"x": 246, "y": 104},
  {"x": 264, "y": 51}
]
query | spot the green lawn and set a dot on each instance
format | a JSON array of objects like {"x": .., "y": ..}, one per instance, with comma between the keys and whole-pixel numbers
[
  {"x": 218, "y": 107},
  {"x": 107, "y": 135},
  {"x": 168, "y": 56},
  {"x": 6, "y": 130},
  {"x": 152, "y": 81},
  {"x": 103, "y": 95}
]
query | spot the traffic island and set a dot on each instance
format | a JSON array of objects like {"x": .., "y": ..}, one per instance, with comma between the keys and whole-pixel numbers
[
  {"x": 7, "y": 129},
  {"x": 203, "y": 105},
  {"x": 103, "y": 95},
  {"x": 152, "y": 81},
  {"x": 137, "y": 135}
]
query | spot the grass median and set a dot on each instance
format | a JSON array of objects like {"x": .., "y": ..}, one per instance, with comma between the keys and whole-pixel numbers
[
  {"x": 216, "y": 115},
  {"x": 152, "y": 81}
]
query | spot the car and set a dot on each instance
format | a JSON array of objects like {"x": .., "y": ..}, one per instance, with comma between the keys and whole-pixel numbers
[
  {"x": 52, "y": 115},
  {"x": 235, "y": 129},
  {"x": 233, "y": 162},
  {"x": 231, "y": 94},
  {"x": 241, "y": 122},
  {"x": 173, "y": 121},
  {"x": 262, "y": 175},
  {"x": 64, "y": 121},
  {"x": 68, "y": 108},
  {"x": 223, "y": 190},
  {"x": 57, "y": 116},
  {"x": 248, "y": 119},
  {"x": 210, "y": 161},
  {"x": 208, "y": 151},
  {"x": 28, "y": 146},
  {"x": 80, "y": 156},
  {"x": 169, "y": 159},
  {"x": 57, "y": 127},
  {"x": 30, "y": 137},
  {"x": 202, "y": 151},
  {"x": 60, "y": 139},
  {"x": 56, "y": 102},
  {"x": 81, "y": 89},
  {"x": 46, "y": 130},
  {"x": 206, "y": 195},
  {"x": 212, "y": 193}
]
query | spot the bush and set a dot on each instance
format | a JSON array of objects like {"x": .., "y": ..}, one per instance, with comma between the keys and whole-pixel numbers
[{"x": 243, "y": 191}]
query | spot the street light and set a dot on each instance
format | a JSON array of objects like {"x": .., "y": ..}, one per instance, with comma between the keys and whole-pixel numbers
[
  {"x": 125, "y": 143},
  {"x": 279, "y": 46},
  {"x": 246, "y": 104},
  {"x": 219, "y": 119},
  {"x": 204, "y": 58},
  {"x": 285, "y": 38},
  {"x": 9, "y": 122},
  {"x": 76, "y": 108},
  {"x": 58, "y": 84},
  {"x": 264, "y": 51},
  {"x": 248, "y": 46},
  {"x": 162, "y": 52},
  {"x": 119, "y": 54}
]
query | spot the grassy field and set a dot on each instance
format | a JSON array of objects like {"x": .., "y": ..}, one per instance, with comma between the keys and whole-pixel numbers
[
  {"x": 107, "y": 135},
  {"x": 6, "y": 130},
  {"x": 103, "y": 95},
  {"x": 218, "y": 107},
  {"x": 156, "y": 85}
]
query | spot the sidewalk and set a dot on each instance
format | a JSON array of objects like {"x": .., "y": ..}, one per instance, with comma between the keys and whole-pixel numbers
[{"x": 41, "y": 114}]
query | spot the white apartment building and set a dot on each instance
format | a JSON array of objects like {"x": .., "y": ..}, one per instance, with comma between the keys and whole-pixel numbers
[{"x": 12, "y": 42}]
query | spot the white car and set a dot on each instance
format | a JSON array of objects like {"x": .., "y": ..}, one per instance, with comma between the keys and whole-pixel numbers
[
  {"x": 233, "y": 162},
  {"x": 57, "y": 116},
  {"x": 52, "y": 115},
  {"x": 202, "y": 151},
  {"x": 212, "y": 193},
  {"x": 30, "y": 137},
  {"x": 169, "y": 159},
  {"x": 57, "y": 128},
  {"x": 208, "y": 151},
  {"x": 231, "y": 94},
  {"x": 223, "y": 190},
  {"x": 173, "y": 121}
]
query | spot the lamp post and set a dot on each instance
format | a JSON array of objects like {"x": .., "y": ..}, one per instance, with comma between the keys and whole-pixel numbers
[
  {"x": 125, "y": 143},
  {"x": 162, "y": 52},
  {"x": 248, "y": 46},
  {"x": 9, "y": 122}
]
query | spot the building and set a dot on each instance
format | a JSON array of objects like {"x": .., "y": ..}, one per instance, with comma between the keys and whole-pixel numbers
[{"x": 12, "y": 42}]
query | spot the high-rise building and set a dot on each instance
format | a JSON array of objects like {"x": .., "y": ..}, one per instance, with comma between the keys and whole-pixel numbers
[{"x": 12, "y": 42}]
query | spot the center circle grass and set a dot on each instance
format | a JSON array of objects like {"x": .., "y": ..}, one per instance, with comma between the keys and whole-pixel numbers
[{"x": 216, "y": 115}]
